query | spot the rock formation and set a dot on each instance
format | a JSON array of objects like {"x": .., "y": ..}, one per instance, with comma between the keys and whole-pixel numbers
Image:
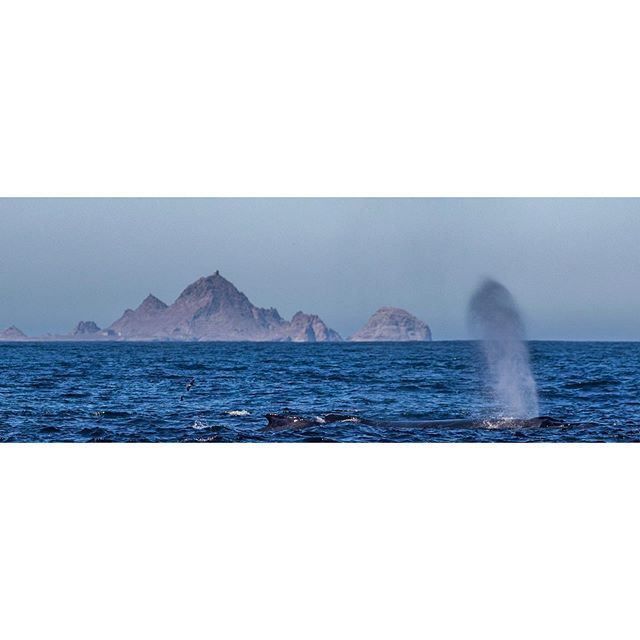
[
  {"x": 12, "y": 333},
  {"x": 141, "y": 323},
  {"x": 86, "y": 328},
  {"x": 212, "y": 309},
  {"x": 389, "y": 324},
  {"x": 307, "y": 328}
]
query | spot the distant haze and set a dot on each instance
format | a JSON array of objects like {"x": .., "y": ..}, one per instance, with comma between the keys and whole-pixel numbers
[{"x": 573, "y": 265}]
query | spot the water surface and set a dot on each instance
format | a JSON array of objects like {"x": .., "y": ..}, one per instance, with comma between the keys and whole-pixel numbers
[{"x": 127, "y": 392}]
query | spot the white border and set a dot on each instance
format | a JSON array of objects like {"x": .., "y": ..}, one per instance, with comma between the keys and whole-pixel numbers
[
  {"x": 290, "y": 541},
  {"x": 346, "y": 98}
]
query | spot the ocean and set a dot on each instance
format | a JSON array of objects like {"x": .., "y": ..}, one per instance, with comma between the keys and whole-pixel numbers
[{"x": 136, "y": 392}]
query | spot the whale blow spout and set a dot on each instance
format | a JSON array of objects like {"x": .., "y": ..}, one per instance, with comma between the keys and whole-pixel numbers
[{"x": 495, "y": 319}]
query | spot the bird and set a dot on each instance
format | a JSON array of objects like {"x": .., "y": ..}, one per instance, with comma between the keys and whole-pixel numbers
[{"x": 188, "y": 387}]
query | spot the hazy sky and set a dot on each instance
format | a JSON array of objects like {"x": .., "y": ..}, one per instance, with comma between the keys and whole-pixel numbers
[{"x": 573, "y": 265}]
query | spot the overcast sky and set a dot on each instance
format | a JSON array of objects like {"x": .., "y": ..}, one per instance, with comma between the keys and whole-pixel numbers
[{"x": 573, "y": 265}]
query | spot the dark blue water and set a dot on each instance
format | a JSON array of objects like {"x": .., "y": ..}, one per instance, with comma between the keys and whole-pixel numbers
[{"x": 127, "y": 392}]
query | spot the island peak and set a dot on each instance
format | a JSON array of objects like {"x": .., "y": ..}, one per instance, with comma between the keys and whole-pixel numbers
[
  {"x": 212, "y": 309},
  {"x": 12, "y": 333}
]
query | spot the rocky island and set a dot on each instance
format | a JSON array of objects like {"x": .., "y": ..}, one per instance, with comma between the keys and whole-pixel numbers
[
  {"x": 212, "y": 309},
  {"x": 390, "y": 324},
  {"x": 12, "y": 333}
]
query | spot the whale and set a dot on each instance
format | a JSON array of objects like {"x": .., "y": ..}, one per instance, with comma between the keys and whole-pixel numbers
[{"x": 281, "y": 422}]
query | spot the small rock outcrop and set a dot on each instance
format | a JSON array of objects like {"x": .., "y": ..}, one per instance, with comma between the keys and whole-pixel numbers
[
  {"x": 310, "y": 328},
  {"x": 390, "y": 324},
  {"x": 12, "y": 333},
  {"x": 86, "y": 328}
]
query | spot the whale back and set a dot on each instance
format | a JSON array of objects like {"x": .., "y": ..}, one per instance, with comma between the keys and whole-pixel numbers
[{"x": 276, "y": 422}]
